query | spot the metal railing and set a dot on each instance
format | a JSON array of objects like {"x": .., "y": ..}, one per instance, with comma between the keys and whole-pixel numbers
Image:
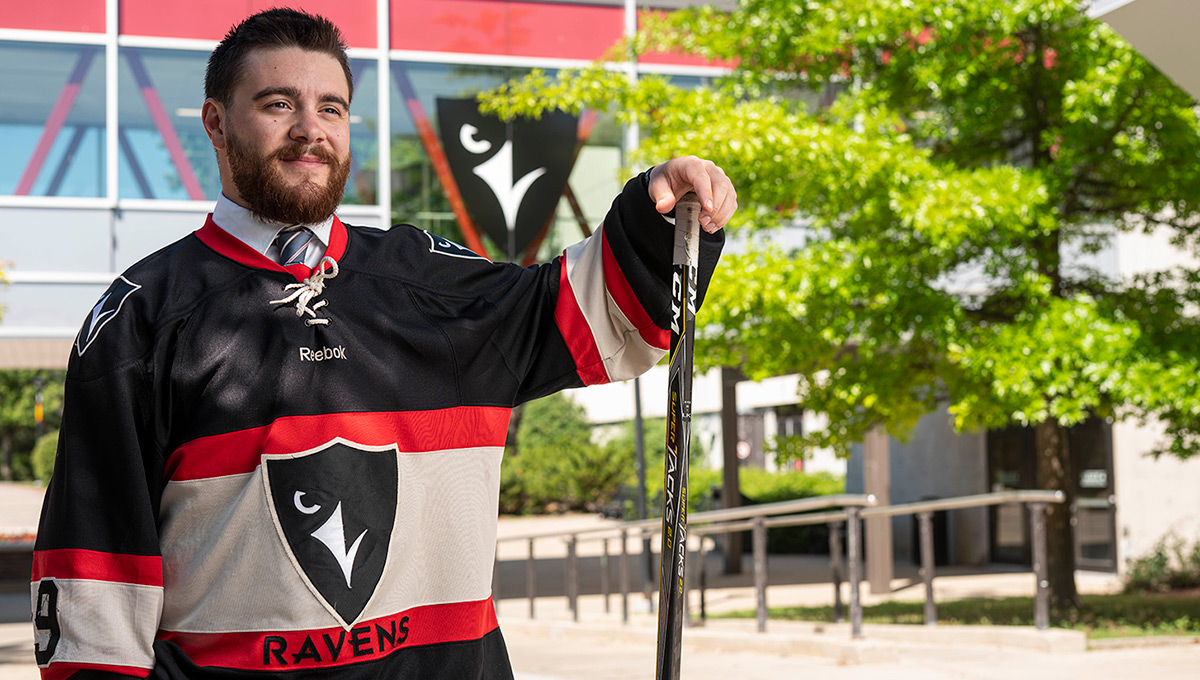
[
  {"x": 853, "y": 509},
  {"x": 647, "y": 528},
  {"x": 1037, "y": 501}
]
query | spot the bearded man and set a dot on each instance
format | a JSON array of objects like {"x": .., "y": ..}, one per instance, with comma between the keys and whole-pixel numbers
[{"x": 282, "y": 435}]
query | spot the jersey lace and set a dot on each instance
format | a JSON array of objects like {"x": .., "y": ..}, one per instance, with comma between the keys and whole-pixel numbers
[{"x": 307, "y": 290}]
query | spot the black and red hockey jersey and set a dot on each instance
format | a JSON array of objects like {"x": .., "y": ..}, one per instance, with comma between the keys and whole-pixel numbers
[{"x": 309, "y": 487}]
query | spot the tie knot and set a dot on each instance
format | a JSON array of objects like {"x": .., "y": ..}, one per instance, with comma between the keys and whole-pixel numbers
[{"x": 293, "y": 245}]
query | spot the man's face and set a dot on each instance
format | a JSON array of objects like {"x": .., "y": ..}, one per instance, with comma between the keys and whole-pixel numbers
[{"x": 284, "y": 143}]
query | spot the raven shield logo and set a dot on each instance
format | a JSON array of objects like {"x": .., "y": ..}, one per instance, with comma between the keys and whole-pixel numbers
[
  {"x": 334, "y": 508},
  {"x": 104, "y": 311},
  {"x": 510, "y": 174}
]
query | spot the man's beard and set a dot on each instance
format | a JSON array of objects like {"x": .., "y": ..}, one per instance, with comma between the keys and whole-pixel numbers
[{"x": 270, "y": 197}]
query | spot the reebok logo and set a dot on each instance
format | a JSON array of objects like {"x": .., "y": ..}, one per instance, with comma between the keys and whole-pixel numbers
[{"x": 322, "y": 353}]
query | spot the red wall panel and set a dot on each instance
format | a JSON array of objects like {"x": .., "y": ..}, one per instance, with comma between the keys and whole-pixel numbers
[
  {"x": 492, "y": 27},
  {"x": 78, "y": 16},
  {"x": 501, "y": 27},
  {"x": 212, "y": 19}
]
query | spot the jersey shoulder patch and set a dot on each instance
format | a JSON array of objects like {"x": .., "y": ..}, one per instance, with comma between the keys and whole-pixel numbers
[
  {"x": 444, "y": 246},
  {"x": 105, "y": 310}
]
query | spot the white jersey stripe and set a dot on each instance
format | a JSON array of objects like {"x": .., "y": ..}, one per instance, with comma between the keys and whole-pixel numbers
[
  {"x": 624, "y": 351},
  {"x": 222, "y": 555},
  {"x": 104, "y": 623}
]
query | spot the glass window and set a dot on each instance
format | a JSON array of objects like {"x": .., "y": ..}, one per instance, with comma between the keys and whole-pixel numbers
[
  {"x": 165, "y": 153},
  {"x": 362, "y": 187},
  {"x": 52, "y": 130}
]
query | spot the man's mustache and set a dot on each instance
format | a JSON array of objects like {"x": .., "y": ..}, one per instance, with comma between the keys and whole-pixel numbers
[{"x": 301, "y": 150}]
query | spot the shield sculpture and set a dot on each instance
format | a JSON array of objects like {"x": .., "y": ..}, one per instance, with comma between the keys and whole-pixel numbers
[
  {"x": 334, "y": 508},
  {"x": 510, "y": 175}
]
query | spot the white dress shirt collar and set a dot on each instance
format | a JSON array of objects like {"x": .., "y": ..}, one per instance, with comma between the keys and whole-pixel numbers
[{"x": 259, "y": 234}]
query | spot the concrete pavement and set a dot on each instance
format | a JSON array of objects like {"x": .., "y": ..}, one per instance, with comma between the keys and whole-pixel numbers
[
  {"x": 563, "y": 655},
  {"x": 20, "y": 507},
  {"x": 563, "y": 651}
]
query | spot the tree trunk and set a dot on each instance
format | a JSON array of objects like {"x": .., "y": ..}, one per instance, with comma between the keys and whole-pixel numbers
[
  {"x": 731, "y": 492},
  {"x": 514, "y": 424},
  {"x": 1054, "y": 474},
  {"x": 6, "y": 463}
]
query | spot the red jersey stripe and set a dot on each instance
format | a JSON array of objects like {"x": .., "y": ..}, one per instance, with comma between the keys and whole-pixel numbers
[
  {"x": 93, "y": 565},
  {"x": 618, "y": 286},
  {"x": 336, "y": 646},
  {"x": 61, "y": 670},
  {"x": 241, "y": 452},
  {"x": 577, "y": 333}
]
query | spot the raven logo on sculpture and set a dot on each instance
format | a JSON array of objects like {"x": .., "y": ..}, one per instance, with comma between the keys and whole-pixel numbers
[{"x": 510, "y": 174}]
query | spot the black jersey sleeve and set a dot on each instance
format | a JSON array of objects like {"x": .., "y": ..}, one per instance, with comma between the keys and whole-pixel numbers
[
  {"x": 611, "y": 298},
  {"x": 97, "y": 586},
  {"x": 501, "y": 334}
]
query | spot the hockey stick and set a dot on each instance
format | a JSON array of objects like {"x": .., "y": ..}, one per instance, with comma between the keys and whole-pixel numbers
[{"x": 679, "y": 421}]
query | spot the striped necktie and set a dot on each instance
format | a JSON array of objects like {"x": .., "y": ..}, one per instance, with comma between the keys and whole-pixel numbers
[{"x": 293, "y": 245}]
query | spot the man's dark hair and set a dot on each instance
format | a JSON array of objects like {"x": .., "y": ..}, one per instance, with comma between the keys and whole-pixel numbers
[{"x": 271, "y": 29}]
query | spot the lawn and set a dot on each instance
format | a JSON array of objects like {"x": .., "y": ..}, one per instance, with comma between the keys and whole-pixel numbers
[{"x": 1102, "y": 616}]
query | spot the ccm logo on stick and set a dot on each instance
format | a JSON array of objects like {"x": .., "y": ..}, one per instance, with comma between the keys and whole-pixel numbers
[{"x": 322, "y": 353}]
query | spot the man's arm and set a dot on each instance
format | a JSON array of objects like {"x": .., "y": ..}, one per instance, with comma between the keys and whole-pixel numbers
[
  {"x": 612, "y": 301},
  {"x": 97, "y": 583}
]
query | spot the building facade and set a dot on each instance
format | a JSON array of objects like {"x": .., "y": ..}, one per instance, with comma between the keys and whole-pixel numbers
[{"x": 107, "y": 160}]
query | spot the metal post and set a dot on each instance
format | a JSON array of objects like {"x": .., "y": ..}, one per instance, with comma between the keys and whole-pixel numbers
[
  {"x": 835, "y": 563},
  {"x": 639, "y": 439},
  {"x": 925, "y": 520},
  {"x": 649, "y": 582},
  {"x": 531, "y": 578},
  {"x": 1041, "y": 603},
  {"x": 759, "y": 543},
  {"x": 604, "y": 578},
  {"x": 854, "y": 557},
  {"x": 496, "y": 577},
  {"x": 688, "y": 574},
  {"x": 702, "y": 568},
  {"x": 624, "y": 576},
  {"x": 573, "y": 578}
]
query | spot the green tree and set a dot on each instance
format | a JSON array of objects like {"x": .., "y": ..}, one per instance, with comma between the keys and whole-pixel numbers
[
  {"x": 18, "y": 428},
  {"x": 973, "y": 149},
  {"x": 623, "y": 446},
  {"x": 42, "y": 458},
  {"x": 556, "y": 464}
]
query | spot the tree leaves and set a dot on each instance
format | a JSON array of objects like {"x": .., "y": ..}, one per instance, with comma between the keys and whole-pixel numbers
[{"x": 973, "y": 151}]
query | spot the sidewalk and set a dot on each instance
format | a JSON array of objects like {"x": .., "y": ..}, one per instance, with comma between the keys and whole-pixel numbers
[
  {"x": 20, "y": 507},
  {"x": 578, "y": 653}
]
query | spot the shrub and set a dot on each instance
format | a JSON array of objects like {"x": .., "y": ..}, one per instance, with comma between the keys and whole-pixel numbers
[
  {"x": 556, "y": 466},
  {"x": 43, "y": 456},
  {"x": 763, "y": 486},
  {"x": 1169, "y": 565}
]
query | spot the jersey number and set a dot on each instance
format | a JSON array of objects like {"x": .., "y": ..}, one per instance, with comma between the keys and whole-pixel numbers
[{"x": 45, "y": 620}]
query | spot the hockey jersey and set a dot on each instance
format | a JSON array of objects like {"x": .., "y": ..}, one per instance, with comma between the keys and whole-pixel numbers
[{"x": 269, "y": 472}]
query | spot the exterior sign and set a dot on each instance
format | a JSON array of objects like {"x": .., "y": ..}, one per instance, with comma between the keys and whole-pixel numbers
[{"x": 510, "y": 174}]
